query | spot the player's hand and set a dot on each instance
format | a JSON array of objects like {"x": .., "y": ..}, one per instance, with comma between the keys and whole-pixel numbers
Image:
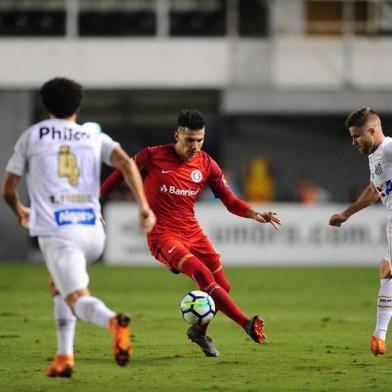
[
  {"x": 23, "y": 216},
  {"x": 147, "y": 220},
  {"x": 268, "y": 217},
  {"x": 337, "y": 219}
]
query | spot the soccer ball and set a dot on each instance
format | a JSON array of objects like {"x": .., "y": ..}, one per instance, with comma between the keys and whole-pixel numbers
[{"x": 197, "y": 307}]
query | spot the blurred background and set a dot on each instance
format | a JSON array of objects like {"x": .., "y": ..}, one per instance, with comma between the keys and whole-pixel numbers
[{"x": 274, "y": 78}]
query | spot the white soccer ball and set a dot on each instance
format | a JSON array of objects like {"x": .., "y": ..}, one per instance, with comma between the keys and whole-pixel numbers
[{"x": 197, "y": 307}]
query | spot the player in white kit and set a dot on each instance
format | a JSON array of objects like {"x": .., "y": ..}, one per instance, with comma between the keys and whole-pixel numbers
[
  {"x": 62, "y": 163},
  {"x": 367, "y": 135}
]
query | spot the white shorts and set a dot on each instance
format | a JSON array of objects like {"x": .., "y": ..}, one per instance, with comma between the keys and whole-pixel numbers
[{"x": 67, "y": 253}]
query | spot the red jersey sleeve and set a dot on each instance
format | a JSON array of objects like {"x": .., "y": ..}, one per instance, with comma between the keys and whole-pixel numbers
[
  {"x": 221, "y": 190},
  {"x": 116, "y": 178},
  {"x": 217, "y": 182},
  {"x": 142, "y": 158}
]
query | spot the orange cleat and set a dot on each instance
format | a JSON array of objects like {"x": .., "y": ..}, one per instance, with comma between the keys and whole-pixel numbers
[
  {"x": 254, "y": 328},
  {"x": 62, "y": 366},
  {"x": 122, "y": 350},
  {"x": 377, "y": 346}
]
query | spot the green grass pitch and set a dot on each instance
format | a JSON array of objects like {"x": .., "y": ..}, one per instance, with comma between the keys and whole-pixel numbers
[{"x": 319, "y": 321}]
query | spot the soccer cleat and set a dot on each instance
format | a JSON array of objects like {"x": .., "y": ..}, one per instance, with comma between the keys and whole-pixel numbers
[
  {"x": 122, "y": 350},
  {"x": 203, "y": 341},
  {"x": 377, "y": 346},
  {"x": 254, "y": 328},
  {"x": 62, "y": 366}
]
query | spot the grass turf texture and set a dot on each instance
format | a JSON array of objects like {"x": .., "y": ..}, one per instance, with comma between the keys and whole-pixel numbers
[{"x": 319, "y": 322}]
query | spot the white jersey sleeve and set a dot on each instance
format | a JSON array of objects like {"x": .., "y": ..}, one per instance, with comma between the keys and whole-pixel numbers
[
  {"x": 108, "y": 146},
  {"x": 18, "y": 161}
]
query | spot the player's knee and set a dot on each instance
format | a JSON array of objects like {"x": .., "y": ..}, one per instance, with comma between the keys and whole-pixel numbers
[
  {"x": 73, "y": 297},
  {"x": 385, "y": 269}
]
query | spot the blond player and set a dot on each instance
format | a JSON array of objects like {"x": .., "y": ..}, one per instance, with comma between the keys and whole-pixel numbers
[
  {"x": 367, "y": 135},
  {"x": 62, "y": 163}
]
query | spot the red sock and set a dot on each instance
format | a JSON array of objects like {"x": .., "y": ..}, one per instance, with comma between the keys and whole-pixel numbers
[
  {"x": 204, "y": 278},
  {"x": 221, "y": 279}
]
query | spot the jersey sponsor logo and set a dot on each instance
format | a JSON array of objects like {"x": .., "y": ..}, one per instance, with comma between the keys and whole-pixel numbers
[
  {"x": 75, "y": 216},
  {"x": 167, "y": 171},
  {"x": 61, "y": 134},
  {"x": 196, "y": 175},
  {"x": 177, "y": 191}
]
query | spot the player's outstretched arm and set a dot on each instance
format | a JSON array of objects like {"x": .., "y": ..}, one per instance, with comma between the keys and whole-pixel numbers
[
  {"x": 239, "y": 207},
  {"x": 368, "y": 196},
  {"x": 133, "y": 179},
  {"x": 11, "y": 198}
]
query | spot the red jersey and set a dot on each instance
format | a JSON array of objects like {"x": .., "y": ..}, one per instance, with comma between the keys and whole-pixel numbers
[{"x": 172, "y": 186}]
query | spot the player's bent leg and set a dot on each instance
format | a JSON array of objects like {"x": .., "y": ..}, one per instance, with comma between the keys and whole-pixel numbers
[
  {"x": 93, "y": 310},
  {"x": 205, "y": 280}
]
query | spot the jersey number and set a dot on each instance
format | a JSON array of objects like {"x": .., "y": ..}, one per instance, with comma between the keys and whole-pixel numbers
[{"x": 68, "y": 165}]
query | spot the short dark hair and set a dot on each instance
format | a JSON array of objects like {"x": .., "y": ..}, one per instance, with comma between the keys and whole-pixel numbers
[
  {"x": 192, "y": 119},
  {"x": 62, "y": 97},
  {"x": 359, "y": 117}
]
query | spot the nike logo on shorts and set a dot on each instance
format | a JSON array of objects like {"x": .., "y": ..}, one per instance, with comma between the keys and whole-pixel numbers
[
  {"x": 171, "y": 249},
  {"x": 167, "y": 171}
]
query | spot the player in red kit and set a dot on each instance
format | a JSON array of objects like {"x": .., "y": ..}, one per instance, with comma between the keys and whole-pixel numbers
[{"x": 174, "y": 176}]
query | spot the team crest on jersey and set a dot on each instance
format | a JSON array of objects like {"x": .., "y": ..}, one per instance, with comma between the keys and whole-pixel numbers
[
  {"x": 196, "y": 175},
  {"x": 378, "y": 169}
]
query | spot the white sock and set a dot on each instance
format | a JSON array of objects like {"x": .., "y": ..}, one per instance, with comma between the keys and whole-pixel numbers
[
  {"x": 384, "y": 308},
  {"x": 65, "y": 326},
  {"x": 93, "y": 310}
]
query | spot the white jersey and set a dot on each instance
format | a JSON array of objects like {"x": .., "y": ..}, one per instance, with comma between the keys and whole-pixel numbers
[
  {"x": 62, "y": 161},
  {"x": 380, "y": 163}
]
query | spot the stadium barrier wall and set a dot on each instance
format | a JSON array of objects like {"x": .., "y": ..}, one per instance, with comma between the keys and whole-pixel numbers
[
  {"x": 304, "y": 239},
  {"x": 285, "y": 62}
]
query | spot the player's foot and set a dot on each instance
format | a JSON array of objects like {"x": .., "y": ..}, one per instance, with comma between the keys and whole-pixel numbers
[
  {"x": 203, "y": 341},
  {"x": 254, "y": 328},
  {"x": 377, "y": 346},
  {"x": 62, "y": 366},
  {"x": 122, "y": 350}
]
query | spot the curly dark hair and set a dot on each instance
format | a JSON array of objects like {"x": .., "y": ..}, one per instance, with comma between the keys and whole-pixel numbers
[
  {"x": 62, "y": 97},
  {"x": 191, "y": 119}
]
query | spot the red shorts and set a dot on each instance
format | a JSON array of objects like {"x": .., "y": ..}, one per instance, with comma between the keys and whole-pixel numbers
[{"x": 171, "y": 249}]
